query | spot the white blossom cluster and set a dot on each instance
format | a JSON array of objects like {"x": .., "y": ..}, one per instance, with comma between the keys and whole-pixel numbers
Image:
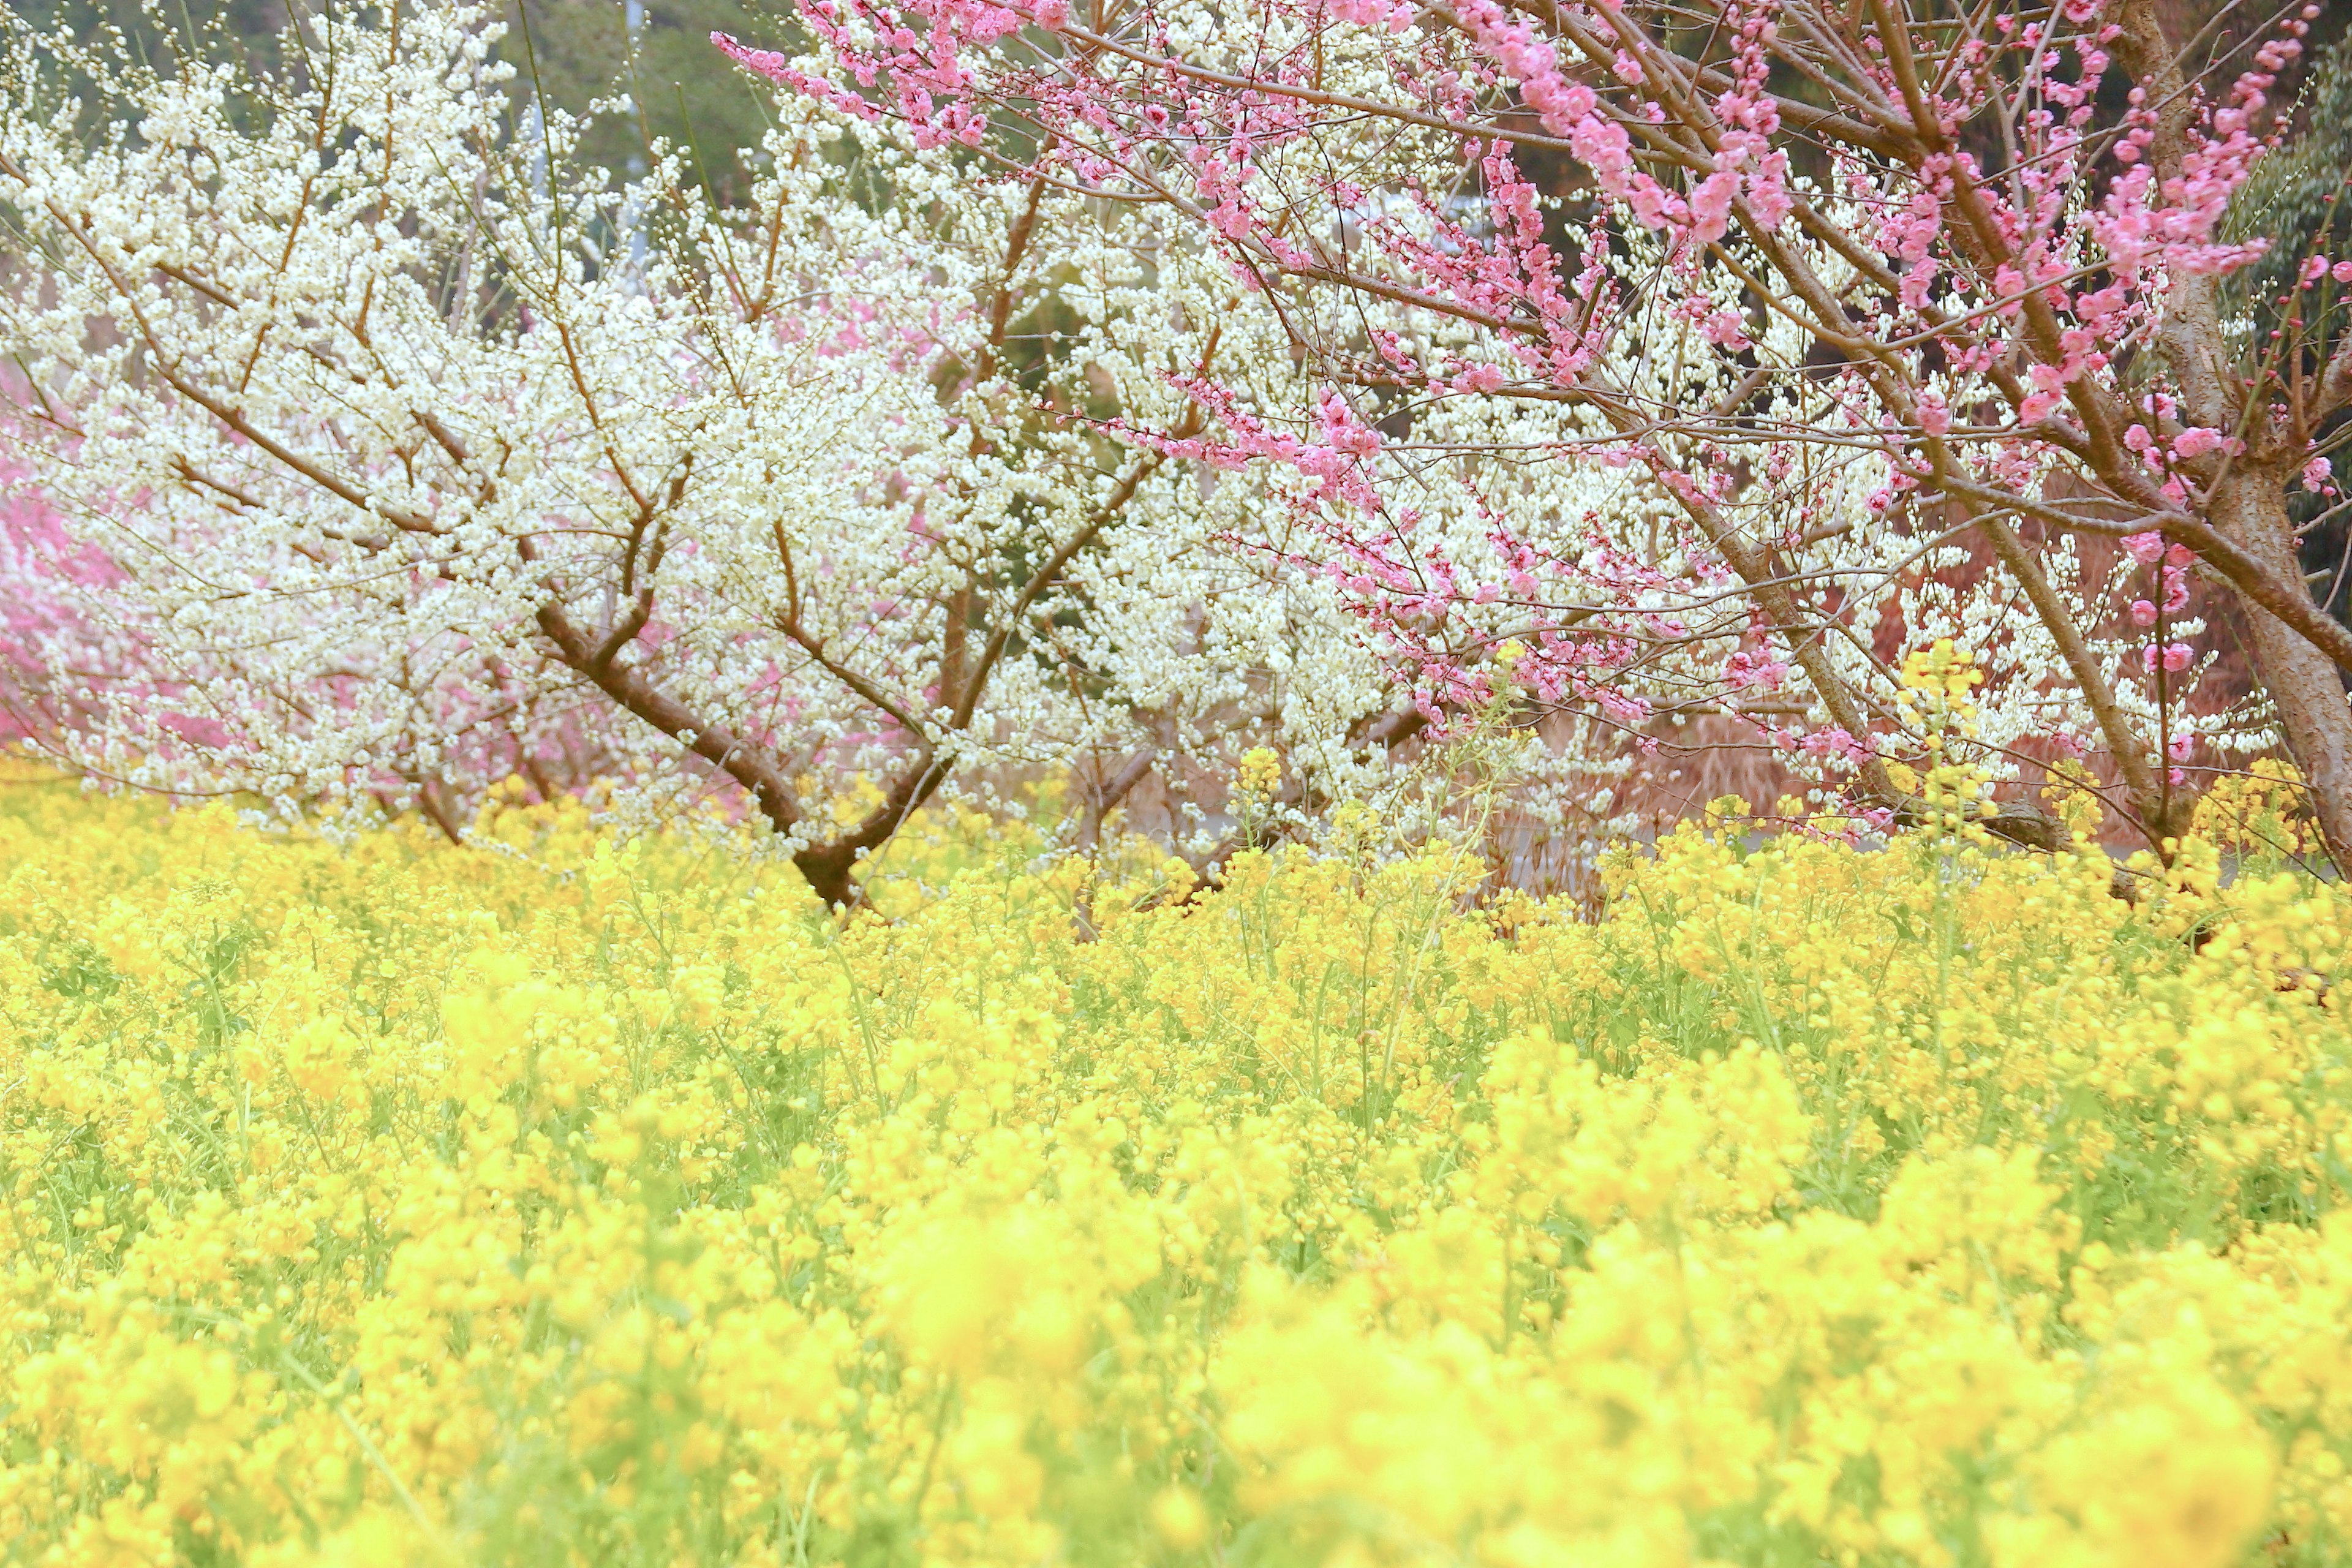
[{"x": 418, "y": 455}]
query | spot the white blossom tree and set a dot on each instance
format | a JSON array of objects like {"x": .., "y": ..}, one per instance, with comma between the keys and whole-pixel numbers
[{"x": 391, "y": 452}]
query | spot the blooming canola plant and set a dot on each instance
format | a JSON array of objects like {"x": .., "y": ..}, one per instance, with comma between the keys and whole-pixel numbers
[{"x": 566, "y": 1202}]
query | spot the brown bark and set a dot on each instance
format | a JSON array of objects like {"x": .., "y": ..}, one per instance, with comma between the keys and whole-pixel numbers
[
  {"x": 2302, "y": 681},
  {"x": 2246, "y": 504},
  {"x": 830, "y": 871}
]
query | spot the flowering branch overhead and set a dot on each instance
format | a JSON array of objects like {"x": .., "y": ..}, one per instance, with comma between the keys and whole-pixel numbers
[{"x": 1611, "y": 305}]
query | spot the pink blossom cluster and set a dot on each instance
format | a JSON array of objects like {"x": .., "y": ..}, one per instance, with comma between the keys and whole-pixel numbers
[{"x": 1965, "y": 296}]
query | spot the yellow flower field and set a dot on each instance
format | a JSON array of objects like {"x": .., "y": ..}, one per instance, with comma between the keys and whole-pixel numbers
[{"x": 393, "y": 1204}]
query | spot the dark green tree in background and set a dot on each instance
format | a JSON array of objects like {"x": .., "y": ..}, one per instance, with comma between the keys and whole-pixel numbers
[
  {"x": 686, "y": 93},
  {"x": 575, "y": 51}
]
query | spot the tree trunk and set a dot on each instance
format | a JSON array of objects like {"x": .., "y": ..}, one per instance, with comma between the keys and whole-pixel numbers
[
  {"x": 2302, "y": 681},
  {"x": 830, "y": 870}
]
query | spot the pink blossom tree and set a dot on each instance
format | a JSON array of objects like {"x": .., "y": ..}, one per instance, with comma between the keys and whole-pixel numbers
[{"x": 1660, "y": 358}]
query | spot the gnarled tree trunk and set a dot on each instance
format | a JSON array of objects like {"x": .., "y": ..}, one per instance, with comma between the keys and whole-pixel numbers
[{"x": 2304, "y": 683}]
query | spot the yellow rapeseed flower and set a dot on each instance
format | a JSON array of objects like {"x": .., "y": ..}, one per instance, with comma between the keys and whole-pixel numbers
[{"x": 561, "y": 1201}]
